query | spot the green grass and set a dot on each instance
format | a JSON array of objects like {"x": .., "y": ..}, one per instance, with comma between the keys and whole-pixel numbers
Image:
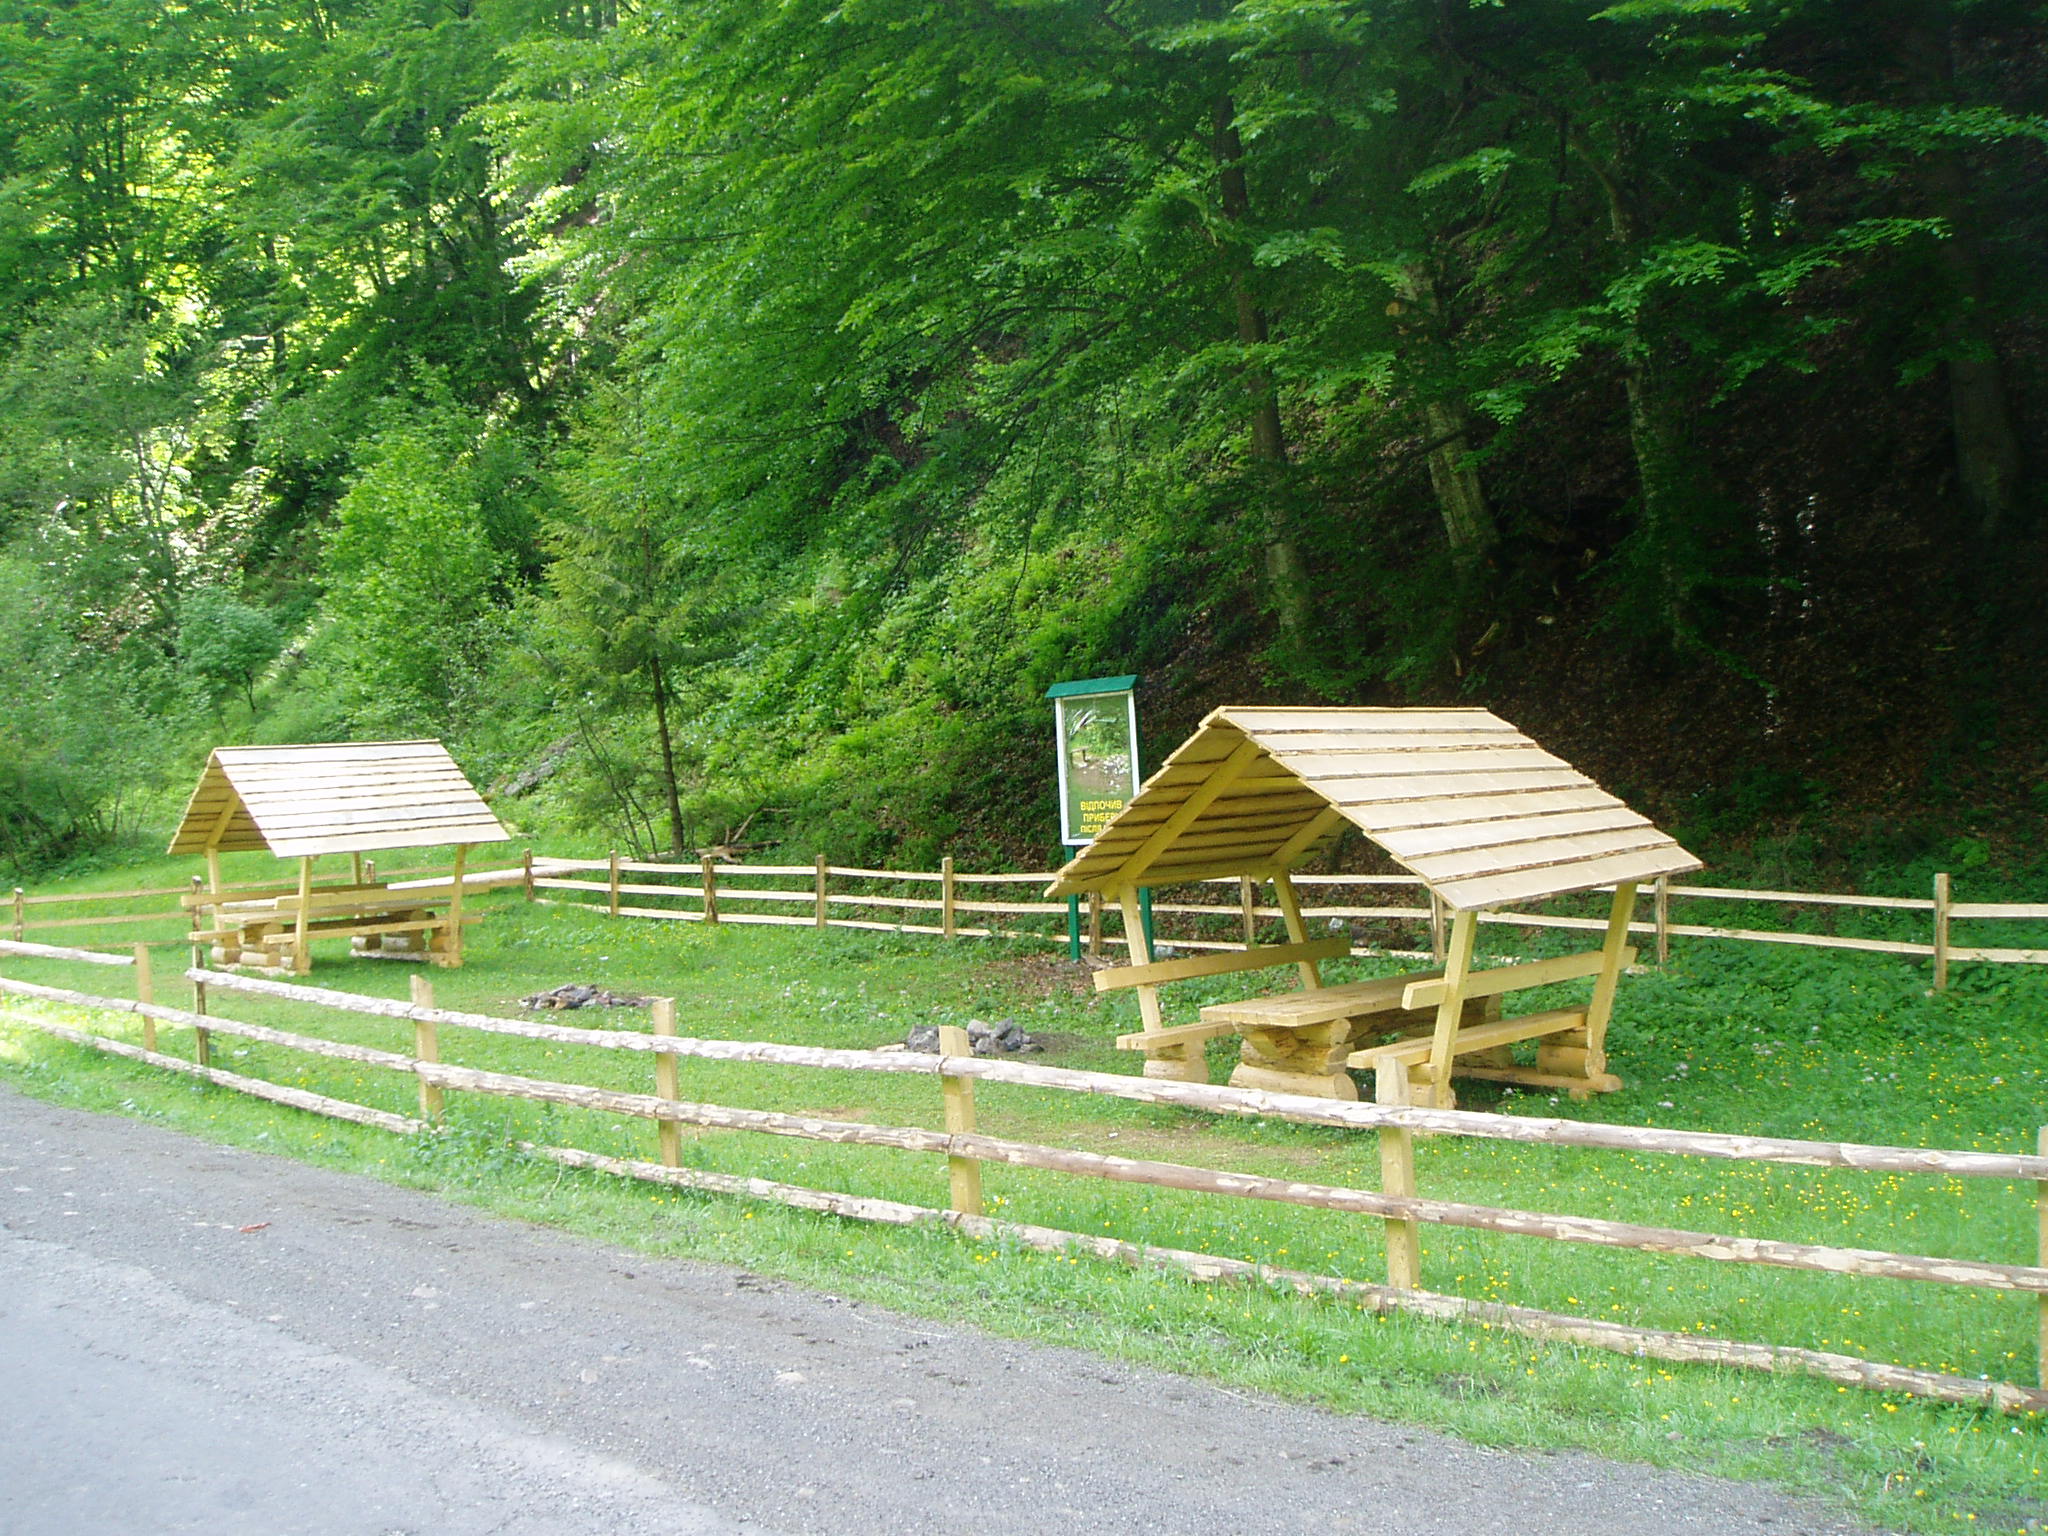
[{"x": 1733, "y": 1038}]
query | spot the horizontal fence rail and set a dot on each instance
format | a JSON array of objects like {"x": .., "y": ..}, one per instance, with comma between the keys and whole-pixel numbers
[
  {"x": 968, "y": 1150},
  {"x": 950, "y": 903}
]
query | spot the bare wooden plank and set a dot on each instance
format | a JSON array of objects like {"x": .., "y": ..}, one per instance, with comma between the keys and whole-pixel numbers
[
  {"x": 1259, "y": 720},
  {"x": 1386, "y": 789},
  {"x": 1513, "y": 978},
  {"x": 1806, "y": 898},
  {"x": 1440, "y": 869},
  {"x": 1161, "y": 971},
  {"x": 1442, "y": 811},
  {"x": 1421, "y": 841},
  {"x": 61, "y": 952},
  {"x": 1999, "y": 956},
  {"x": 1561, "y": 879},
  {"x": 1452, "y": 762},
  {"x": 2013, "y": 911}
]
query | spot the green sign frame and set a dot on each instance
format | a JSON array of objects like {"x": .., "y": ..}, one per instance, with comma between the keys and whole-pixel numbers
[{"x": 1095, "y": 730}]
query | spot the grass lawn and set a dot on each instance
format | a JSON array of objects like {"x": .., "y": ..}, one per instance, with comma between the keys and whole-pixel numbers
[{"x": 1730, "y": 1038}]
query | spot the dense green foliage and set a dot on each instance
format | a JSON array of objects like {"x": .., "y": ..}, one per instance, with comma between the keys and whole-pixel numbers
[{"x": 721, "y": 417}]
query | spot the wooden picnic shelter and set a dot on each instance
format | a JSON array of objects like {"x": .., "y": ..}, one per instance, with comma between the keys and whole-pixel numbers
[
  {"x": 300, "y": 802},
  {"x": 1480, "y": 813}
]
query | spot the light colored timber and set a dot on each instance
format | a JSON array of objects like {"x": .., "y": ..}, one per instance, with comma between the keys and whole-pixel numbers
[
  {"x": 661, "y": 1019},
  {"x": 1465, "y": 836},
  {"x": 820, "y": 911},
  {"x": 1517, "y": 1128},
  {"x": 451, "y": 936},
  {"x": 1146, "y": 853},
  {"x": 1473, "y": 1037},
  {"x": 1430, "y": 786},
  {"x": 1999, "y": 956},
  {"x": 2015, "y": 911},
  {"x": 1546, "y": 853},
  {"x": 1578, "y": 875},
  {"x": 2041, "y": 1248},
  {"x": 349, "y": 929},
  {"x": 1474, "y": 810},
  {"x": 35, "y": 951},
  {"x": 848, "y": 872},
  {"x": 1810, "y": 898},
  {"x": 35, "y": 901},
  {"x": 1526, "y": 1322},
  {"x": 1219, "y": 965},
  {"x": 255, "y": 1087},
  {"x": 109, "y": 921},
  {"x": 1175, "y": 1034},
  {"x": 426, "y": 1044},
  {"x": 1316, "y": 1005},
  {"x": 1513, "y": 978},
  {"x": 1447, "y": 763},
  {"x": 963, "y": 1172},
  {"x": 1941, "y": 916}
]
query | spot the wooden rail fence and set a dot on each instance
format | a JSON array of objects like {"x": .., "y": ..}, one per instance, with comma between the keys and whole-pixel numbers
[
  {"x": 967, "y": 1149},
  {"x": 714, "y": 892},
  {"x": 723, "y": 892}
]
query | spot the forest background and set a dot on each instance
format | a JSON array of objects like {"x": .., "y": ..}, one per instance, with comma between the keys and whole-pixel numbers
[{"x": 720, "y": 420}]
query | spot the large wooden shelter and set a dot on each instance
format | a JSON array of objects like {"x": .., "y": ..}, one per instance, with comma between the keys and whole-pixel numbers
[
  {"x": 346, "y": 797},
  {"x": 1482, "y": 814}
]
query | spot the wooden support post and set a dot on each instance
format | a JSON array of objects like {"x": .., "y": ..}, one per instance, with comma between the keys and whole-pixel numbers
[
  {"x": 1095, "y": 924},
  {"x": 355, "y": 867},
  {"x": 1438, "y": 934},
  {"x": 948, "y": 921},
  {"x": 1248, "y": 909},
  {"x": 526, "y": 873},
  {"x": 451, "y": 940},
  {"x": 145, "y": 992},
  {"x": 1180, "y": 1063},
  {"x": 819, "y": 897},
  {"x": 1397, "y": 1177},
  {"x": 302, "y": 943},
  {"x": 20, "y": 913},
  {"x": 1941, "y": 905},
  {"x": 212, "y": 871},
  {"x": 1297, "y": 930},
  {"x": 426, "y": 1045},
  {"x": 710, "y": 876},
  {"x": 202, "y": 1039},
  {"x": 661, "y": 1015},
  {"x": 1663, "y": 910},
  {"x": 964, "y": 1173},
  {"x": 370, "y": 871},
  {"x": 1450, "y": 1012},
  {"x": 612, "y": 901},
  {"x": 1613, "y": 954}
]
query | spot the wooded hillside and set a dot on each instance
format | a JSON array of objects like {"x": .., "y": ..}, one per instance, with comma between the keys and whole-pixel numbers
[{"x": 720, "y": 416}]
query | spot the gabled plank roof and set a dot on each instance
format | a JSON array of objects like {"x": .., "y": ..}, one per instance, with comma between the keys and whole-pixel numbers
[
  {"x": 1460, "y": 797},
  {"x": 344, "y": 797}
]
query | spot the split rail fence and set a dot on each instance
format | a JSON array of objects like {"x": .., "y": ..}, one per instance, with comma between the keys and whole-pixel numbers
[
  {"x": 967, "y": 1150},
  {"x": 964, "y": 904},
  {"x": 724, "y": 892}
]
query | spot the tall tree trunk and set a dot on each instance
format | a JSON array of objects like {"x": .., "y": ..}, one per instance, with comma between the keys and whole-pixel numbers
[
  {"x": 678, "y": 838},
  {"x": 1988, "y": 460},
  {"x": 1286, "y": 573},
  {"x": 1469, "y": 527}
]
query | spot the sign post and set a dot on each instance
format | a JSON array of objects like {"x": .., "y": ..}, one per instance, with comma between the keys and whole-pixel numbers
[{"x": 1095, "y": 728}]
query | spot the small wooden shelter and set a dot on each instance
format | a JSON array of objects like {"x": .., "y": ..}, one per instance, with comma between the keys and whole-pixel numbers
[
  {"x": 345, "y": 797},
  {"x": 1484, "y": 816}
]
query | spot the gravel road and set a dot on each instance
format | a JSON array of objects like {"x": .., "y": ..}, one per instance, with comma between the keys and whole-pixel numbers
[{"x": 368, "y": 1361}]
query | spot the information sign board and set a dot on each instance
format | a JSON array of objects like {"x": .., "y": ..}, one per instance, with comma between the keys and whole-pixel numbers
[{"x": 1095, "y": 723}]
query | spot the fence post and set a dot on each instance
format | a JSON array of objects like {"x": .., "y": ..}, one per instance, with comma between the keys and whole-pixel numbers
[
  {"x": 710, "y": 889},
  {"x": 369, "y": 871},
  {"x": 20, "y": 913},
  {"x": 662, "y": 1017},
  {"x": 1439, "y": 942},
  {"x": 426, "y": 1045},
  {"x": 526, "y": 872},
  {"x": 1397, "y": 1177},
  {"x": 820, "y": 899},
  {"x": 1663, "y": 913},
  {"x": 1941, "y": 904},
  {"x": 2041, "y": 1217},
  {"x": 612, "y": 900},
  {"x": 963, "y": 1172},
  {"x": 1095, "y": 924},
  {"x": 145, "y": 992},
  {"x": 948, "y": 923},
  {"x": 1248, "y": 906},
  {"x": 202, "y": 1039}
]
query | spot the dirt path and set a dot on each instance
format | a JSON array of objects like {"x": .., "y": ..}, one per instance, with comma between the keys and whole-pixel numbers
[{"x": 371, "y": 1361}]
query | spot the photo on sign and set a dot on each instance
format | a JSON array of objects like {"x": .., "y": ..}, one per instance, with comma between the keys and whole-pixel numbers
[{"x": 1098, "y": 762}]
